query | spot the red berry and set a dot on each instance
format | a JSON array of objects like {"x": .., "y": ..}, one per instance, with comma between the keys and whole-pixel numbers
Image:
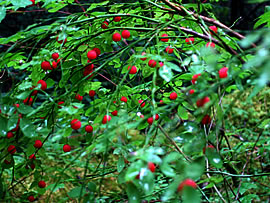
[
  {"x": 187, "y": 182},
  {"x": 87, "y": 71},
  {"x": 60, "y": 103},
  {"x": 202, "y": 102},
  {"x": 223, "y": 72},
  {"x": 116, "y": 37},
  {"x": 164, "y": 39},
  {"x": 156, "y": 117},
  {"x": 17, "y": 105},
  {"x": 143, "y": 59},
  {"x": 61, "y": 41},
  {"x": 92, "y": 93},
  {"x": 66, "y": 148},
  {"x": 104, "y": 25},
  {"x": 214, "y": 29},
  {"x": 161, "y": 64},
  {"x": 150, "y": 120},
  {"x": 151, "y": 167},
  {"x": 33, "y": 166},
  {"x": 206, "y": 120},
  {"x": 191, "y": 91},
  {"x": 117, "y": 19},
  {"x": 133, "y": 70},
  {"x": 152, "y": 63},
  {"x": 92, "y": 54},
  {"x": 10, "y": 135},
  {"x": 106, "y": 119},
  {"x": 173, "y": 96},
  {"x": 169, "y": 50},
  {"x": 97, "y": 50},
  {"x": 7, "y": 162},
  {"x": 54, "y": 64},
  {"x": 211, "y": 44},
  {"x": 28, "y": 101},
  {"x": 88, "y": 129},
  {"x": 123, "y": 99},
  {"x": 41, "y": 184},
  {"x": 142, "y": 103},
  {"x": 55, "y": 56},
  {"x": 194, "y": 78},
  {"x": 189, "y": 40},
  {"x": 78, "y": 97},
  {"x": 125, "y": 34},
  {"x": 43, "y": 84},
  {"x": 38, "y": 144},
  {"x": 31, "y": 198},
  {"x": 45, "y": 65},
  {"x": 161, "y": 101},
  {"x": 209, "y": 146},
  {"x": 114, "y": 113},
  {"x": 75, "y": 124},
  {"x": 11, "y": 149},
  {"x": 32, "y": 156}
]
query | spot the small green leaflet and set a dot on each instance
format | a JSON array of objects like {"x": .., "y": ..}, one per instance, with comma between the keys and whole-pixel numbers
[
  {"x": 20, "y": 3},
  {"x": 2, "y": 13}
]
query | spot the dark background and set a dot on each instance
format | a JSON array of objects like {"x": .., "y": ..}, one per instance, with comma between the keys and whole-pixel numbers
[{"x": 238, "y": 13}]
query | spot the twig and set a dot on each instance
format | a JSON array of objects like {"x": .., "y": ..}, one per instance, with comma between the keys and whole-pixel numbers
[
  {"x": 215, "y": 187},
  {"x": 174, "y": 144},
  {"x": 82, "y": 8},
  {"x": 107, "y": 79}
]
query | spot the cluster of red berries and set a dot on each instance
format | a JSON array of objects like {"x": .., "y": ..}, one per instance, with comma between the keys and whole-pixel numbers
[
  {"x": 105, "y": 24},
  {"x": 116, "y": 37},
  {"x": 46, "y": 65}
]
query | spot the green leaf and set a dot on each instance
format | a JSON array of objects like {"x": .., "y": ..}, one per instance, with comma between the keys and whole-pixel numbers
[
  {"x": 264, "y": 19},
  {"x": 213, "y": 157},
  {"x": 133, "y": 193},
  {"x": 166, "y": 73},
  {"x": 75, "y": 192},
  {"x": 182, "y": 112},
  {"x": 25, "y": 109},
  {"x": 56, "y": 7},
  {"x": 67, "y": 132},
  {"x": 165, "y": 166},
  {"x": 173, "y": 66},
  {"x": 25, "y": 85},
  {"x": 2, "y": 13},
  {"x": 265, "y": 124},
  {"x": 195, "y": 169},
  {"x": 23, "y": 95},
  {"x": 191, "y": 195},
  {"x": 82, "y": 48},
  {"x": 120, "y": 164},
  {"x": 20, "y": 3},
  {"x": 55, "y": 186},
  {"x": 27, "y": 127},
  {"x": 50, "y": 82},
  {"x": 12, "y": 122},
  {"x": 3, "y": 126}
]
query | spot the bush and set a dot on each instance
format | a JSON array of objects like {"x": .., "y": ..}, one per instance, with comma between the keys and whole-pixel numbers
[{"x": 134, "y": 101}]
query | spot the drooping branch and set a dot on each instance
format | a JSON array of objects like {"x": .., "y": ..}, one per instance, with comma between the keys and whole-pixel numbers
[{"x": 182, "y": 11}]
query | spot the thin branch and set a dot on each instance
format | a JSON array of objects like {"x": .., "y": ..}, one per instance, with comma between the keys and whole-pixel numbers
[
  {"x": 239, "y": 176},
  {"x": 107, "y": 79},
  {"x": 182, "y": 11},
  {"x": 174, "y": 144}
]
